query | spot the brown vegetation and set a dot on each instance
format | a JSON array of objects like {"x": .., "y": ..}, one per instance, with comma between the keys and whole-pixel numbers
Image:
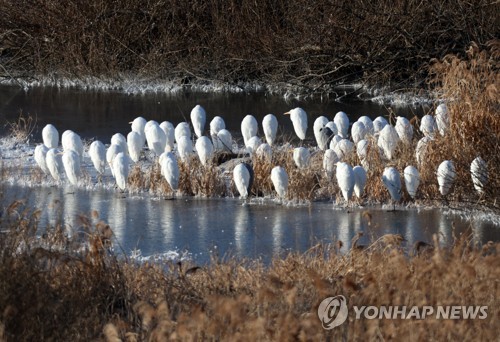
[
  {"x": 311, "y": 45},
  {"x": 58, "y": 288}
]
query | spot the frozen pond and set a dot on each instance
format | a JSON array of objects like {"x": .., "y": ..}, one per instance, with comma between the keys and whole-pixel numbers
[{"x": 199, "y": 227}]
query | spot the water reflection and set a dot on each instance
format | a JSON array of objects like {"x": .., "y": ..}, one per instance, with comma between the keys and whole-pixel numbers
[{"x": 225, "y": 226}]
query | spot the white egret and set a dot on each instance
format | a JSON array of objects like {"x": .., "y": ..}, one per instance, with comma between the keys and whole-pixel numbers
[
  {"x": 333, "y": 127},
  {"x": 111, "y": 154},
  {"x": 265, "y": 152},
  {"x": 138, "y": 126},
  {"x": 54, "y": 163},
  {"x": 72, "y": 141},
  {"x": 392, "y": 181},
  {"x": 97, "y": 153},
  {"x": 442, "y": 118},
  {"x": 198, "y": 119},
  {"x": 299, "y": 121},
  {"x": 428, "y": 125},
  {"x": 344, "y": 148},
  {"x": 301, "y": 156},
  {"x": 421, "y": 149},
  {"x": 155, "y": 137},
  {"x": 50, "y": 136},
  {"x": 71, "y": 163},
  {"x": 368, "y": 124},
  {"x": 119, "y": 139},
  {"x": 134, "y": 146},
  {"x": 249, "y": 128},
  {"x": 346, "y": 180},
  {"x": 242, "y": 177},
  {"x": 270, "y": 127},
  {"x": 224, "y": 140},
  {"x": 342, "y": 122},
  {"x": 404, "y": 129},
  {"x": 330, "y": 160},
  {"x": 358, "y": 131},
  {"x": 170, "y": 170},
  {"x": 121, "y": 169},
  {"x": 216, "y": 125},
  {"x": 359, "y": 180},
  {"x": 184, "y": 147},
  {"x": 479, "y": 174},
  {"x": 40, "y": 157},
  {"x": 446, "y": 176},
  {"x": 334, "y": 141},
  {"x": 324, "y": 137},
  {"x": 253, "y": 144},
  {"x": 378, "y": 124},
  {"x": 169, "y": 130},
  {"x": 362, "y": 149},
  {"x": 279, "y": 177},
  {"x": 388, "y": 141},
  {"x": 182, "y": 129},
  {"x": 205, "y": 150},
  {"x": 412, "y": 180},
  {"x": 319, "y": 123}
]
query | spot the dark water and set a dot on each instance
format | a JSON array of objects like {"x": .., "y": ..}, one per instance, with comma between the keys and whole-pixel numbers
[
  {"x": 101, "y": 114},
  {"x": 226, "y": 227}
]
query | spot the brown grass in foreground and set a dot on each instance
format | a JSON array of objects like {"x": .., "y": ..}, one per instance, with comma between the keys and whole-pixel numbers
[{"x": 60, "y": 288}]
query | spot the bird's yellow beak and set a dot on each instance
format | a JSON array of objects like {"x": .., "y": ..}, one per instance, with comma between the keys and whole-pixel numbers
[
  {"x": 287, "y": 113},
  {"x": 130, "y": 122}
]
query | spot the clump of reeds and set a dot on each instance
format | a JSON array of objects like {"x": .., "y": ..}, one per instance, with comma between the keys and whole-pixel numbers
[{"x": 22, "y": 128}]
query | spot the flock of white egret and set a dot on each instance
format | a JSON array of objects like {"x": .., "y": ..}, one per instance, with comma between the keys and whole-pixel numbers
[{"x": 338, "y": 138}]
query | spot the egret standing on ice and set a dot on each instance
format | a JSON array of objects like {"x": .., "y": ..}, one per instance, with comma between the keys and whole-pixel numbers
[
  {"x": 446, "y": 176},
  {"x": 40, "y": 157},
  {"x": 97, "y": 153},
  {"x": 270, "y": 127},
  {"x": 184, "y": 147},
  {"x": 198, "y": 119},
  {"x": 359, "y": 180},
  {"x": 216, "y": 125},
  {"x": 138, "y": 126},
  {"x": 319, "y": 123},
  {"x": 279, "y": 177},
  {"x": 358, "y": 131},
  {"x": 479, "y": 174},
  {"x": 111, "y": 153},
  {"x": 120, "y": 167},
  {"x": 301, "y": 156},
  {"x": 392, "y": 181},
  {"x": 182, "y": 129},
  {"x": 134, "y": 145},
  {"x": 330, "y": 160},
  {"x": 368, "y": 124},
  {"x": 342, "y": 122},
  {"x": 378, "y": 124},
  {"x": 249, "y": 128},
  {"x": 71, "y": 163},
  {"x": 170, "y": 170},
  {"x": 388, "y": 141},
  {"x": 299, "y": 121},
  {"x": 169, "y": 131},
  {"x": 72, "y": 141},
  {"x": 412, "y": 180},
  {"x": 155, "y": 137},
  {"x": 404, "y": 129},
  {"x": 442, "y": 118},
  {"x": 243, "y": 179},
  {"x": 346, "y": 180},
  {"x": 54, "y": 163},
  {"x": 205, "y": 150},
  {"x": 50, "y": 136}
]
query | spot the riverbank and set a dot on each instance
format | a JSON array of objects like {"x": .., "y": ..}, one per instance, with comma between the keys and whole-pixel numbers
[{"x": 296, "y": 47}]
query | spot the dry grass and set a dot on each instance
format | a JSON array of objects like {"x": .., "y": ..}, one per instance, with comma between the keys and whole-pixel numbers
[
  {"x": 21, "y": 129},
  {"x": 60, "y": 288}
]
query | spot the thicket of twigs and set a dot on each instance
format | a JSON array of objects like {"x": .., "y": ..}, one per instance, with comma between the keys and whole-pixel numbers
[
  {"x": 312, "y": 45},
  {"x": 60, "y": 288}
]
